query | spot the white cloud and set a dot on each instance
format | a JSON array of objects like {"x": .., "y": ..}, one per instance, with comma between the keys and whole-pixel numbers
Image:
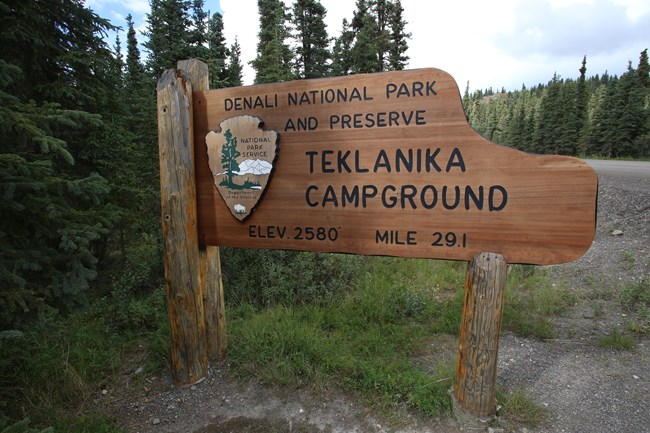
[
  {"x": 634, "y": 9},
  {"x": 572, "y": 29},
  {"x": 507, "y": 43},
  {"x": 117, "y": 17}
]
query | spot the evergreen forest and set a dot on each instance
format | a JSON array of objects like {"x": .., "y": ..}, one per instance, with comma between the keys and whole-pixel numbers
[
  {"x": 81, "y": 277},
  {"x": 598, "y": 116}
]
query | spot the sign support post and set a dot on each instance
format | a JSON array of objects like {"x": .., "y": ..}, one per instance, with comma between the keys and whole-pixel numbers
[
  {"x": 474, "y": 393},
  {"x": 192, "y": 274},
  {"x": 211, "y": 281}
]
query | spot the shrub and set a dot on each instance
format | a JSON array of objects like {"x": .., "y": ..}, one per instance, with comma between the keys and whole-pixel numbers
[
  {"x": 264, "y": 278},
  {"x": 136, "y": 300},
  {"x": 23, "y": 426}
]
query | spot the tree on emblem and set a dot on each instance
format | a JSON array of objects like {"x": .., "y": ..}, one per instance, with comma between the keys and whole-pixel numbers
[{"x": 229, "y": 155}]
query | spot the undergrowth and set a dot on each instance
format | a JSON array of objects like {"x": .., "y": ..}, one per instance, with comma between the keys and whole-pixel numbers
[
  {"x": 53, "y": 371},
  {"x": 353, "y": 323},
  {"x": 365, "y": 340},
  {"x": 52, "y": 368},
  {"x": 362, "y": 342}
]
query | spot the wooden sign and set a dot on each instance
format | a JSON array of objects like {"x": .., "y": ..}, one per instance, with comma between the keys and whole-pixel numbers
[{"x": 383, "y": 164}]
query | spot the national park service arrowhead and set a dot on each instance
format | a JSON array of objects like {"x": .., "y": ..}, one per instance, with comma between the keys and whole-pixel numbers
[{"x": 241, "y": 157}]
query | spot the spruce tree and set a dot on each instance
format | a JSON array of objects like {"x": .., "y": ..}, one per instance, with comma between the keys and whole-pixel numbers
[
  {"x": 198, "y": 35},
  {"x": 119, "y": 57},
  {"x": 312, "y": 41},
  {"x": 550, "y": 115},
  {"x": 629, "y": 116},
  {"x": 217, "y": 53},
  {"x": 397, "y": 58},
  {"x": 342, "y": 51},
  {"x": 273, "y": 61},
  {"x": 234, "y": 68},
  {"x": 581, "y": 107},
  {"x": 54, "y": 83},
  {"x": 134, "y": 73},
  {"x": 619, "y": 123},
  {"x": 568, "y": 124},
  {"x": 382, "y": 13},
  {"x": 643, "y": 70},
  {"x": 379, "y": 36},
  {"x": 141, "y": 122},
  {"x": 532, "y": 115},
  {"x": 600, "y": 121},
  {"x": 642, "y": 143},
  {"x": 516, "y": 126},
  {"x": 169, "y": 35},
  {"x": 366, "y": 51}
]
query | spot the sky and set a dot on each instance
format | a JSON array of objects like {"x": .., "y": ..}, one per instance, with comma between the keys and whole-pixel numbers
[{"x": 497, "y": 43}]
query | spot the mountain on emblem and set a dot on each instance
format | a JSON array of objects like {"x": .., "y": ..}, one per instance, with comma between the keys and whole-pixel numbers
[{"x": 241, "y": 159}]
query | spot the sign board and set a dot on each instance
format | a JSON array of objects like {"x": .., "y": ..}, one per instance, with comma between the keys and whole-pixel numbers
[{"x": 379, "y": 164}]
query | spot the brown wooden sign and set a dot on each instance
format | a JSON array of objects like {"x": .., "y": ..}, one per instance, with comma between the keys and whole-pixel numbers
[{"x": 382, "y": 164}]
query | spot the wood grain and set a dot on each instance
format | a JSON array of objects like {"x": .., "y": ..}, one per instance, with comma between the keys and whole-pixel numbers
[
  {"x": 478, "y": 346},
  {"x": 211, "y": 283},
  {"x": 179, "y": 223},
  {"x": 549, "y": 216}
]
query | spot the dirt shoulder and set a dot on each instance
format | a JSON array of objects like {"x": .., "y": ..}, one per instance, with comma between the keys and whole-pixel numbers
[{"x": 585, "y": 388}]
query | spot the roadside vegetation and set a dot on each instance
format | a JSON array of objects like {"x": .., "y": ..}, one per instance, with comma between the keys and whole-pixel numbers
[
  {"x": 81, "y": 289},
  {"x": 363, "y": 331},
  {"x": 368, "y": 338},
  {"x": 520, "y": 410},
  {"x": 635, "y": 298}
]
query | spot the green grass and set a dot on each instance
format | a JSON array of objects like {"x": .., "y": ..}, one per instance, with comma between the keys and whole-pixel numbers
[
  {"x": 57, "y": 363},
  {"x": 532, "y": 301},
  {"x": 53, "y": 370},
  {"x": 363, "y": 342},
  {"x": 369, "y": 336},
  {"x": 366, "y": 340},
  {"x": 520, "y": 410},
  {"x": 87, "y": 423},
  {"x": 22, "y": 426},
  {"x": 629, "y": 259},
  {"x": 637, "y": 294},
  {"x": 636, "y": 299},
  {"x": 616, "y": 340}
]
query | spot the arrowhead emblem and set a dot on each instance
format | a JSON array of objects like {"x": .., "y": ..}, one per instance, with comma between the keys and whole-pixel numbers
[{"x": 241, "y": 157}]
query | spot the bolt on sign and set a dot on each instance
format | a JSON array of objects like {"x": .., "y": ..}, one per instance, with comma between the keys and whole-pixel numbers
[{"x": 379, "y": 164}]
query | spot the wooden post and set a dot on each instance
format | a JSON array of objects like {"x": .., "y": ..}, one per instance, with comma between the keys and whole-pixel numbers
[
  {"x": 210, "y": 264},
  {"x": 189, "y": 353},
  {"x": 474, "y": 395},
  {"x": 213, "y": 303}
]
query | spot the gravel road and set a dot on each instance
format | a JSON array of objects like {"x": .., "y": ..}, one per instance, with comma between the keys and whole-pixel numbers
[
  {"x": 624, "y": 169},
  {"x": 591, "y": 389},
  {"x": 585, "y": 388}
]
